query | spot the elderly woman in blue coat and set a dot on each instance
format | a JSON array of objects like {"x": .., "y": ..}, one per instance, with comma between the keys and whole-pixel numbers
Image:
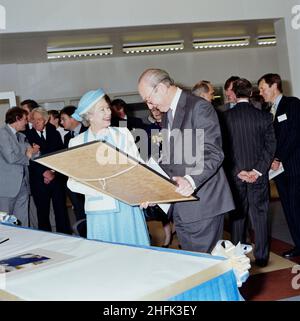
[{"x": 107, "y": 218}]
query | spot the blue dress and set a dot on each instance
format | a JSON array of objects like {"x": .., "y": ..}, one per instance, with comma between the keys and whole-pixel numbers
[{"x": 124, "y": 224}]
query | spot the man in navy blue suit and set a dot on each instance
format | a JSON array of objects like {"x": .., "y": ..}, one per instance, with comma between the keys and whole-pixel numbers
[
  {"x": 249, "y": 150},
  {"x": 286, "y": 112},
  {"x": 46, "y": 184}
]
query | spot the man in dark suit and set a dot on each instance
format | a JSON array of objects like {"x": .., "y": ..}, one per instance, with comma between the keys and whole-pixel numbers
[
  {"x": 230, "y": 95},
  {"x": 286, "y": 111},
  {"x": 190, "y": 127},
  {"x": 249, "y": 151},
  {"x": 75, "y": 128},
  {"x": 15, "y": 153},
  {"x": 46, "y": 184},
  {"x": 28, "y": 105},
  {"x": 120, "y": 117}
]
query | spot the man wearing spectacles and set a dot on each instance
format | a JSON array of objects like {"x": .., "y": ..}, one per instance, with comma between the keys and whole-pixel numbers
[{"x": 199, "y": 224}]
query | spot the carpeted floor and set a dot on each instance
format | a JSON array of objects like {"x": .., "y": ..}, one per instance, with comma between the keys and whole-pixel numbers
[{"x": 273, "y": 282}]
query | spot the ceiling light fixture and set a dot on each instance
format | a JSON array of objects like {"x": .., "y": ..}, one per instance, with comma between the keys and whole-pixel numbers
[
  {"x": 147, "y": 47},
  {"x": 81, "y": 52},
  {"x": 221, "y": 43},
  {"x": 266, "y": 40}
]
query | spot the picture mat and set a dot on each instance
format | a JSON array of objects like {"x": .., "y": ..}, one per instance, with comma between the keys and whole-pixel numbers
[
  {"x": 51, "y": 259},
  {"x": 138, "y": 184}
]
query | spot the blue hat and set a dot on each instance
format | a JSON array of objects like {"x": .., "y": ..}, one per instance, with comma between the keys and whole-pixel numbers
[{"x": 87, "y": 101}]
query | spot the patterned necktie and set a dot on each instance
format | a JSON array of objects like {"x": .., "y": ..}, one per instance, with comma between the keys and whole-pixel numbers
[
  {"x": 170, "y": 117},
  {"x": 273, "y": 110}
]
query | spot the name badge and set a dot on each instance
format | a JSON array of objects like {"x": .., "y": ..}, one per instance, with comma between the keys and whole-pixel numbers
[{"x": 282, "y": 118}]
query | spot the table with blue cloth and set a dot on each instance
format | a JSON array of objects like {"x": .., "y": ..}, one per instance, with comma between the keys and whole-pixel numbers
[{"x": 77, "y": 269}]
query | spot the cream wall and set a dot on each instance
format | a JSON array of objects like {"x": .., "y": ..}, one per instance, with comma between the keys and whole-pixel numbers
[
  {"x": 37, "y": 15},
  {"x": 54, "y": 80}
]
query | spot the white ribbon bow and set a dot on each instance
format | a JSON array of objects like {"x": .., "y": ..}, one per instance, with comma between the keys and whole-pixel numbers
[{"x": 236, "y": 256}]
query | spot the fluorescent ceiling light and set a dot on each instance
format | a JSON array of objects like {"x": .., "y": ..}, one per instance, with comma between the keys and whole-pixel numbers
[
  {"x": 266, "y": 40},
  {"x": 147, "y": 47},
  {"x": 221, "y": 43},
  {"x": 66, "y": 53}
]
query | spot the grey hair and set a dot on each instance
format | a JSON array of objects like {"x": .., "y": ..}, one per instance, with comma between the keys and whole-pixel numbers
[
  {"x": 154, "y": 76},
  {"x": 42, "y": 111},
  {"x": 201, "y": 87}
]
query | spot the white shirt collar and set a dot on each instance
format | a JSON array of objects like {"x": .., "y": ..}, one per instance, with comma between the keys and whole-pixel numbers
[
  {"x": 277, "y": 101},
  {"x": 77, "y": 129},
  {"x": 175, "y": 100},
  {"x": 12, "y": 129},
  {"x": 243, "y": 100}
]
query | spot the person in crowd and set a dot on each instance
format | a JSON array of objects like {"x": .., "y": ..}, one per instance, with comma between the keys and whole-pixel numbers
[
  {"x": 73, "y": 128},
  {"x": 47, "y": 185},
  {"x": 250, "y": 148},
  {"x": 286, "y": 115},
  {"x": 154, "y": 144},
  {"x": 28, "y": 105},
  {"x": 55, "y": 121},
  {"x": 108, "y": 219},
  {"x": 120, "y": 117},
  {"x": 204, "y": 89},
  {"x": 15, "y": 154},
  {"x": 257, "y": 100},
  {"x": 229, "y": 95},
  {"x": 199, "y": 224}
]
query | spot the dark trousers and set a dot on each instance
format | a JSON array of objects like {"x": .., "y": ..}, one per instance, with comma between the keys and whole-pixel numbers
[
  {"x": 42, "y": 194},
  {"x": 77, "y": 201},
  {"x": 252, "y": 203},
  {"x": 289, "y": 192}
]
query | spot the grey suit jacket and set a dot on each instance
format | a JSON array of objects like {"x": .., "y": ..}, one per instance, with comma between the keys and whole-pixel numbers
[
  {"x": 198, "y": 120},
  {"x": 13, "y": 162}
]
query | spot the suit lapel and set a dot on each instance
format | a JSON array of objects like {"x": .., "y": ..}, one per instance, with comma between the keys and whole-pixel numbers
[{"x": 280, "y": 108}]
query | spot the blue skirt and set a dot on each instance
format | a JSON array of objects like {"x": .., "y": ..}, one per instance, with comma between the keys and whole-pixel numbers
[{"x": 127, "y": 226}]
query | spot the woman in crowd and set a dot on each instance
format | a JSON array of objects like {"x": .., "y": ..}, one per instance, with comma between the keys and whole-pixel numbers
[{"x": 108, "y": 219}]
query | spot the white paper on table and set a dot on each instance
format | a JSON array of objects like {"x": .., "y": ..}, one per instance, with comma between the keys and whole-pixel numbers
[
  {"x": 154, "y": 165},
  {"x": 273, "y": 174}
]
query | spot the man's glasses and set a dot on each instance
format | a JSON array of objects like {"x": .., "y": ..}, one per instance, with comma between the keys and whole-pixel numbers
[{"x": 148, "y": 99}]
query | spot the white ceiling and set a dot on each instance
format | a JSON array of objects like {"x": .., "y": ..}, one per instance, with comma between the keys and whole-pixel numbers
[{"x": 32, "y": 47}]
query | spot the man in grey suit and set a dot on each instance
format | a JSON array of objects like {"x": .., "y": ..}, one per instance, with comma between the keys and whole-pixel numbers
[
  {"x": 14, "y": 160},
  {"x": 190, "y": 127}
]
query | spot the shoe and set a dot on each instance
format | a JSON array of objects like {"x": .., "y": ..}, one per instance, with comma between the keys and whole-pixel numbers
[
  {"x": 291, "y": 253},
  {"x": 261, "y": 262}
]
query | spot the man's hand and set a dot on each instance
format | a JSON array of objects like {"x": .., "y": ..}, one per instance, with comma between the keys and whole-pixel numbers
[
  {"x": 183, "y": 186},
  {"x": 275, "y": 165},
  {"x": 248, "y": 176},
  {"x": 48, "y": 176},
  {"x": 32, "y": 150},
  {"x": 35, "y": 148}
]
